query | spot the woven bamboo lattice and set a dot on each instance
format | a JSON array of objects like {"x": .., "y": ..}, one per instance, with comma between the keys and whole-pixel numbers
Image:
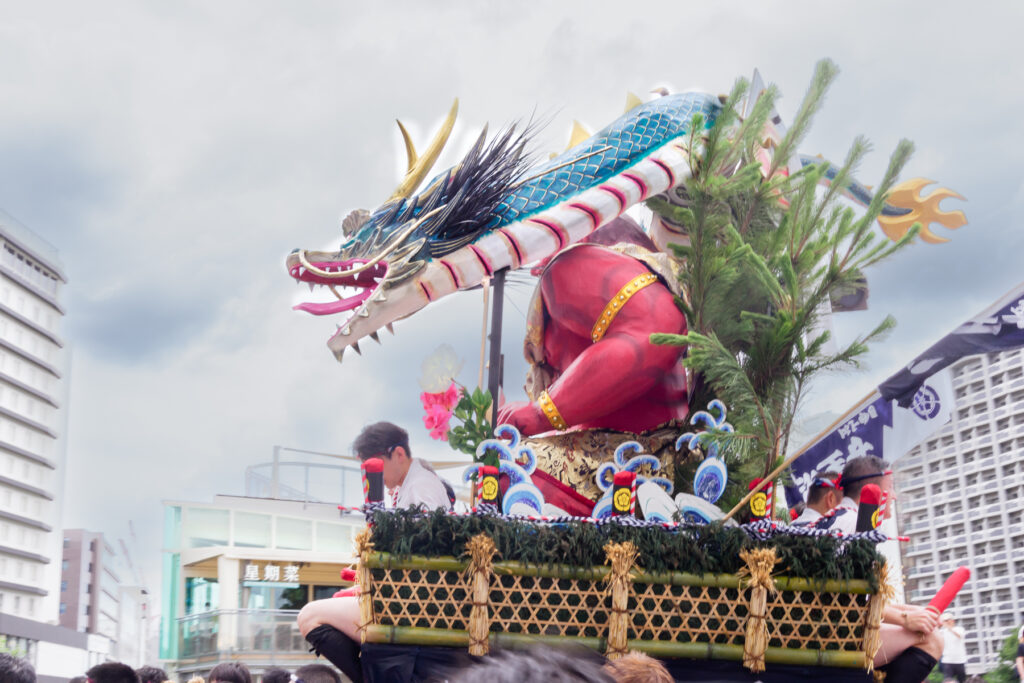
[
  {"x": 672, "y": 614},
  {"x": 691, "y": 614},
  {"x": 421, "y": 598},
  {"x": 821, "y": 621},
  {"x": 541, "y": 605}
]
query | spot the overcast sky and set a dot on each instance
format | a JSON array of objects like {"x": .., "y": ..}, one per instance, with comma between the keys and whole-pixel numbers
[{"x": 176, "y": 152}]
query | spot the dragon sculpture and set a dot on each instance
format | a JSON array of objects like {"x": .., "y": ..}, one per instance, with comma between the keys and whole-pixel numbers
[{"x": 491, "y": 211}]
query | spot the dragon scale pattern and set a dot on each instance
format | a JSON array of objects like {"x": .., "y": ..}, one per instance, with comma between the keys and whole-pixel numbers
[{"x": 629, "y": 138}]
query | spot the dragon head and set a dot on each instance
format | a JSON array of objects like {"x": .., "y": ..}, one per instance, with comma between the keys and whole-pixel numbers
[{"x": 376, "y": 276}]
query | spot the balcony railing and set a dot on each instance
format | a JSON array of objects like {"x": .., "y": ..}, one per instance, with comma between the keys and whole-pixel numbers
[{"x": 263, "y": 632}]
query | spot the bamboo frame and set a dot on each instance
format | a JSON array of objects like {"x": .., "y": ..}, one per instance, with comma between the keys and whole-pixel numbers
[{"x": 536, "y": 598}]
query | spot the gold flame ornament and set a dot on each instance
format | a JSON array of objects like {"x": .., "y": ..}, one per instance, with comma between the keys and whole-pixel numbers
[{"x": 924, "y": 209}]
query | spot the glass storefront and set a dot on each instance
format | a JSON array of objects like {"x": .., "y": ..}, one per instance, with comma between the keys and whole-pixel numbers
[
  {"x": 283, "y": 596},
  {"x": 201, "y": 595}
]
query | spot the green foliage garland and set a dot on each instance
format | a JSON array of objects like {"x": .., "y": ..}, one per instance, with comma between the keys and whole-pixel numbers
[{"x": 695, "y": 550}]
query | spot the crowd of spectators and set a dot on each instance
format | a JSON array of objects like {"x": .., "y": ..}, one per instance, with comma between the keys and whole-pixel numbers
[{"x": 537, "y": 664}]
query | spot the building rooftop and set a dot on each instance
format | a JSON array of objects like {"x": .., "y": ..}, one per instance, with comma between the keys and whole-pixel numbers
[{"x": 12, "y": 229}]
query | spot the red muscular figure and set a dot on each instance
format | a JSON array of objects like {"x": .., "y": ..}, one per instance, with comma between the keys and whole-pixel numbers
[{"x": 621, "y": 381}]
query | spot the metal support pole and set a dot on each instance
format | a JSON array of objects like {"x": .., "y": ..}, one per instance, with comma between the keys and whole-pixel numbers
[{"x": 494, "y": 364}]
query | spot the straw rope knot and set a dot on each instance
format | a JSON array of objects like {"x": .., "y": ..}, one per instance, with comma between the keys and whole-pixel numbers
[
  {"x": 872, "y": 626},
  {"x": 760, "y": 565},
  {"x": 622, "y": 557},
  {"x": 481, "y": 551}
]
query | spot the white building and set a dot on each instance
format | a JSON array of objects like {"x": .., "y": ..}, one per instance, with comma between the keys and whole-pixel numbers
[
  {"x": 961, "y": 501},
  {"x": 98, "y": 596},
  {"x": 33, "y": 395},
  {"x": 33, "y": 422}
]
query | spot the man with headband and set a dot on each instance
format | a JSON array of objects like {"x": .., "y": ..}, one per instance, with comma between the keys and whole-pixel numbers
[
  {"x": 823, "y": 496},
  {"x": 858, "y": 473},
  {"x": 911, "y": 643}
]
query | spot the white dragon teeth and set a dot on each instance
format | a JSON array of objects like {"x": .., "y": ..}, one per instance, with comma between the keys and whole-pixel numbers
[
  {"x": 310, "y": 286},
  {"x": 375, "y": 337},
  {"x": 391, "y": 328},
  {"x": 380, "y": 296},
  {"x": 339, "y": 353},
  {"x": 347, "y": 330},
  {"x": 364, "y": 313},
  {"x": 355, "y": 347}
]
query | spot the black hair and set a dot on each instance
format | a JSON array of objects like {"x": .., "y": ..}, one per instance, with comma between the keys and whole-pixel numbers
[
  {"x": 816, "y": 493},
  {"x": 378, "y": 439},
  {"x": 230, "y": 672},
  {"x": 866, "y": 466},
  {"x": 317, "y": 673},
  {"x": 112, "y": 672},
  {"x": 536, "y": 665},
  {"x": 151, "y": 674},
  {"x": 276, "y": 675},
  {"x": 14, "y": 670}
]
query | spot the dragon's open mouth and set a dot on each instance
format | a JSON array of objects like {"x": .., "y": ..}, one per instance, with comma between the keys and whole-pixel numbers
[{"x": 354, "y": 289}]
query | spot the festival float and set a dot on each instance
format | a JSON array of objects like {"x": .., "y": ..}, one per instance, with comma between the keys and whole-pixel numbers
[{"x": 630, "y": 504}]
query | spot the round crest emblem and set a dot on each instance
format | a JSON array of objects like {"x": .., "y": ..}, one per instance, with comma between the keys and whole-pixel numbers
[
  {"x": 926, "y": 403},
  {"x": 759, "y": 504}
]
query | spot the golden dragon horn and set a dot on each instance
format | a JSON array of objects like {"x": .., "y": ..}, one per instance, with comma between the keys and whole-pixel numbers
[{"x": 419, "y": 166}]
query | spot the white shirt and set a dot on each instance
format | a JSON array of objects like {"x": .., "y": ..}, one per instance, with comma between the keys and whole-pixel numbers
[
  {"x": 955, "y": 651},
  {"x": 421, "y": 487},
  {"x": 842, "y": 518},
  {"x": 807, "y": 518}
]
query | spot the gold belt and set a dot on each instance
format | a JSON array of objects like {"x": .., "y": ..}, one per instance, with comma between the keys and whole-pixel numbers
[{"x": 604, "y": 321}]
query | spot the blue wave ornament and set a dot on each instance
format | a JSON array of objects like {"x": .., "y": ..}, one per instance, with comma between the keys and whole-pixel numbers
[{"x": 709, "y": 481}]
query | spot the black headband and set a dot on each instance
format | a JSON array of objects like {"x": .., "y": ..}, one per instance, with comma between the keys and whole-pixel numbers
[{"x": 843, "y": 481}]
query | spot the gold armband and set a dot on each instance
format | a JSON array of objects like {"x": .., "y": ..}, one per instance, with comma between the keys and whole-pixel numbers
[
  {"x": 617, "y": 302},
  {"x": 547, "y": 406}
]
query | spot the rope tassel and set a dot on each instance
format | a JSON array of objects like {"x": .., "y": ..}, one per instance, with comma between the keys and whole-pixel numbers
[
  {"x": 481, "y": 550},
  {"x": 622, "y": 557},
  {"x": 760, "y": 564},
  {"x": 872, "y": 625}
]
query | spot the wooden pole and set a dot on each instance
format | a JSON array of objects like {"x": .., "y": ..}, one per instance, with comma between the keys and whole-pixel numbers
[
  {"x": 494, "y": 365},
  {"x": 789, "y": 461},
  {"x": 483, "y": 333}
]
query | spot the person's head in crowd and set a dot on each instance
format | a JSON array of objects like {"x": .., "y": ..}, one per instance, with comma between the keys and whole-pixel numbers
[
  {"x": 316, "y": 673},
  {"x": 276, "y": 675},
  {"x": 824, "y": 493},
  {"x": 230, "y": 672},
  {"x": 151, "y": 674},
  {"x": 637, "y": 667},
  {"x": 390, "y": 443},
  {"x": 14, "y": 670},
  {"x": 536, "y": 665},
  {"x": 948, "y": 619},
  {"x": 859, "y": 472},
  {"x": 112, "y": 672}
]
